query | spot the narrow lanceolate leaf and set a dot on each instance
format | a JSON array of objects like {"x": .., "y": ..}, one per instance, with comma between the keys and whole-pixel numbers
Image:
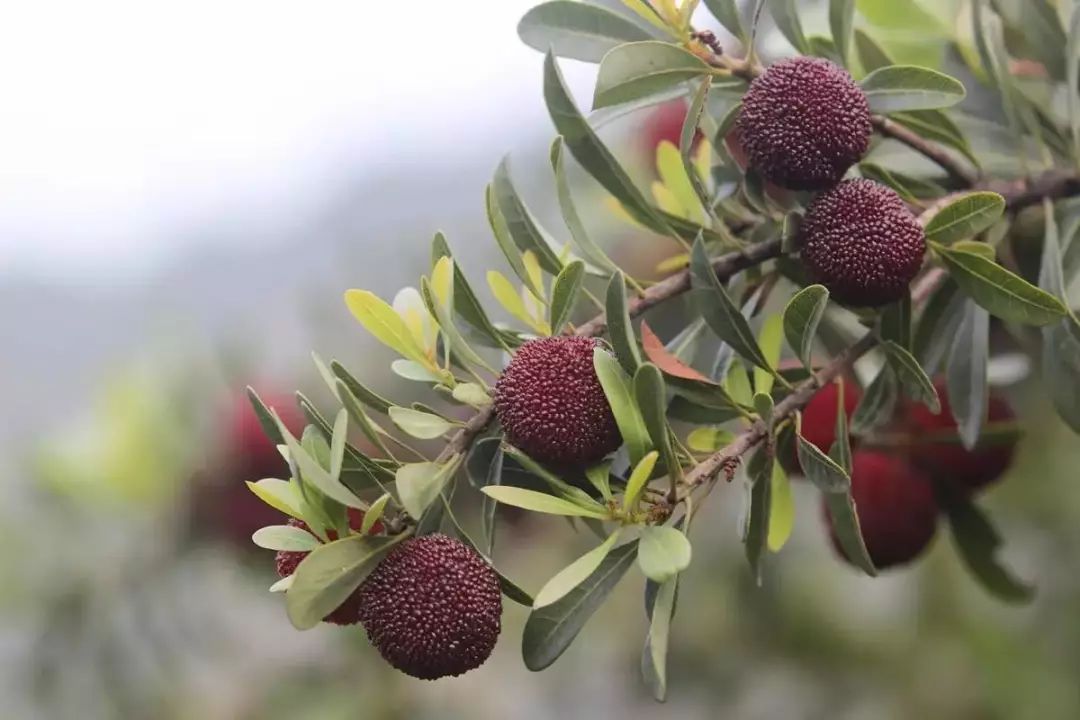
[
  {"x": 584, "y": 242},
  {"x": 781, "y": 509},
  {"x": 330, "y": 574},
  {"x": 285, "y": 537},
  {"x": 840, "y": 452},
  {"x": 418, "y": 484},
  {"x": 654, "y": 656},
  {"x": 802, "y": 315},
  {"x": 651, "y": 396},
  {"x": 907, "y": 87},
  {"x": 550, "y": 629},
  {"x": 620, "y": 330},
  {"x": 686, "y": 144},
  {"x": 337, "y": 444},
  {"x": 1072, "y": 78},
  {"x": 379, "y": 319},
  {"x": 1061, "y": 340},
  {"x": 662, "y": 358},
  {"x": 362, "y": 393},
  {"x": 639, "y": 477},
  {"x": 966, "y": 373},
  {"x": 422, "y": 425},
  {"x": 786, "y": 15},
  {"x": 590, "y": 152},
  {"x": 466, "y": 303},
  {"x": 978, "y": 543},
  {"x": 564, "y": 294},
  {"x": 821, "y": 469},
  {"x": 937, "y": 326},
  {"x": 727, "y": 14},
  {"x": 1004, "y": 294},
  {"x": 841, "y": 21},
  {"x": 718, "y": 309},
  {"x": 912, "y": 377},
  {"x": 574, "y": 574},
  {"x": 521, "y": 224},
  {"x": 637, "y": 70},
  {"x": 663, "y": 552},
  {"x": 315, "y": 474},
  {"x": 770, "y": 340},
  {"x": 871, "y": 56},
  {"x": 937, "y": 126},
  {"x": 619, "y": 392},
  {"x": 539, "y": 502},
  {"x": 845, "y": 522},
  {"x": 965, "y": 217},
  {"x": 562, "y": 488},
  {"x": 895, "y": 322},
  {"x": 758, "y": 505},
  {"x": 444, "y": 314},
  {"x": 577, "y": 30},
  {"x": 374, "y": 513},
  {"x": 877, "y": 404},
  {"x": 265, "y": 417},
  {"x": 279, "y": 494}
]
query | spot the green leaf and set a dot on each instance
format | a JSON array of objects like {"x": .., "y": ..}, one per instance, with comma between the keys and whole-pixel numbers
[
  {"x": 418, "y": 484},
  {"x": 590, "y": 152},
  {"x": 651, "y": 396},
  {"x": 802, "y": 315},
  {"x": 840, "y": 452},
  {"x": 337, "y": 444},
  {"x": 654, "y": 656},
  {"x": 937, "y": 326},
  {"x": 281, "y": 495},
  {"x": 539, "y": 502},
  {"x": 978, "y": 543},
  {"x": 727, "y": 13},
  {"x": 265, "y": 417},
  {"x": 937, "y": 126},
  {"x": 912, "y": 377},
  {"x": 330, "y": 574},
  {"x": 781, "y": 509},
  {"x": 645, "y": 11},
  {"x": 371, "y": 431},
  {"x": 564, "y": 489},
  {"x": 877, "y": 404},
  {"x": 520, "y": 223},
  {"x": 966, "y": 373},
  {"x": 620, "y": 396},
  {"x": 663, "y": 552},
  {"x": 677, "y": 178},
  {"x": 770, "y": 339},
  {"x": 471, "y": 394},
  {"x": 285, "y": 537},
  {"x": 314, "y": 473},
  {"x": 841, "y": 21},
  {"x": 895, "y": 322},
  {"x": 379, "y": 319},
  {"x": 638, "y": 479},
  {"x": 420, "y": 424},
  {"x": 686, "y": 144},
  {"x": 466, "y": 304},
  {"x": 574, "y": 574},
  {"x": 965, "y": 217},
  {"x": 443, "y": 314},
  {"x": 564, "y": 294},
  {"x": 510, "y": 251},
  {"x": 1072, "y": 79},
  {"x": 1061, "y": 340},
  {"x": 709, "y": 439},
  {"x": 1004, "y": 294},
  {"x": 719, "y": 311},
  {"x": 640, "y": 69},
  {"x": 584, "y": 243},
  {"x": 755, "y": 529},
  {"x": 373, "y": 400},
  {"x": 576, "y": 30},
  {"x": 786, "y": 16},
  {"x": 871, "y": 56},
  {"x": 599, "y": 477},
  {"x": 907, "y": 87},
  {"x": 374, "y": 513},
  {"x": 845, "y": 522},
  {"x": 822, "y": 470},
  {"x": 550, "y": 629},
  {"x": 620, "y": 330}
]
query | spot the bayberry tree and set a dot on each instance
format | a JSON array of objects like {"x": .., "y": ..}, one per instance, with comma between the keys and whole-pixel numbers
[{"x": 834, "y": 306}]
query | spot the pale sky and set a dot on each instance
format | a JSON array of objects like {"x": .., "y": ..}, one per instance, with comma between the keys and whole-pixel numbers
[{"x": 125, "y": 121}]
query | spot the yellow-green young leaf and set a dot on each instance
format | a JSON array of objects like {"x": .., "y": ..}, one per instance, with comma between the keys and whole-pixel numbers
[
  {"x": 599, "y": 476},
  {"x": 471, "y": 394},
  {"x": 770, "y": 339},
  {"x": 410, "y": 306},
  {"x": 419, "y": 424},
  {"x": 374, "y": 513},
  {"x": 620, "y": 396},
  {"x": 536, "y": 273},
  {"x": 979, "y": 248},
  {"x": 442, "y": 281},
  {"x": 574, "y": 574},
  {"x": 737, "y": 384},
  {"x": 314, "y": 473},
  {"x": 539, "y": 502},
  {"x": 416, "y": 372},
  {"x": 380, "y": 320},
  {"x": 673, "y": 174},
  {"x": 642, "y": 9},
  {"x": 663, "y": 553},
  {"x": 285, "y": 537},
  {"x": 709, "y": 439},
  {"x": 507, "y": 295},
  {"x": 638, "y": 478},
  {"x": 279, "y": 494},
  {"x": 666, "y": 199},
  {"x": 419, "y": 484},
  {"x": 282, "y": 585},
  {"x": 782, "y": 510}
]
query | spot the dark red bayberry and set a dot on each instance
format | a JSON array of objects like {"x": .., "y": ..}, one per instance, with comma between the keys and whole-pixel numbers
[
  {"x": 432, "y": 607},
  {"x": 803, "y": 123},
  {"x": 896, "y": 507},
  {"x": 551, "y": 404},
  {"x": 861, "y": 242}
]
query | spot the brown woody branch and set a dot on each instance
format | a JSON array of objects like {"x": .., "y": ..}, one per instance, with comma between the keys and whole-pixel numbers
[{"x": 956, "y": 169}]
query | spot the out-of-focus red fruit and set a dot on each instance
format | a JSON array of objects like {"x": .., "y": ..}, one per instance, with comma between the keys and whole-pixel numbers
[
  {"x": 348, "y": 613},
  {"x": 936, "y": 449},
  {"x": 664, "y": 122},
  {"x": 896, "y": 507},
  {"x": 819, "y": 416}
]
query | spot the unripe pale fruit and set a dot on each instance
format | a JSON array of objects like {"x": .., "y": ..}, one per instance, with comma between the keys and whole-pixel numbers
[
  {"x": 432, "y": 607},
  {"x": 896, "y": 507},
  {"x": 803, "y": 123},
  {"x": 944, "y": 457},
  {"x": 286, "y": 561},
  {"x": 551, "y": 404},
  {"x": 861, "y": 242}
]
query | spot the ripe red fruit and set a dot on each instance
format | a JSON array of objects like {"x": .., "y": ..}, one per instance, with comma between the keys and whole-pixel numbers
[
  {"x": 432, "y": 607},
  {"x": 803, "y": 123},
  {"x": 551, "y": 404},
  {"x": 936, "y": 449},
  {"x": 286, "y": 561},
  {"x": 896, "y": 507},
  {"x": 861, "y": 242},
  {"x": 819, "y": 416}
]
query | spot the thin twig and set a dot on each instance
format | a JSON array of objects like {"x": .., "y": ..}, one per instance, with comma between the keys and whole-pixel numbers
[{"x": 957, "y": 170}]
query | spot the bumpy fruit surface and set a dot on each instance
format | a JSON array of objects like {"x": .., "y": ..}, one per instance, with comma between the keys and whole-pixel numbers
[
  {"x": 432, "y": 607},
  {"x": 819, "y": 416},
  {"x": 348, "y": 613},
  {"x": 861, "y": 242},
  {"x": 803, "y": 123},
  {"x": 936, "y": 449},
  {"x": 551, "y": 404},
  {"x": 896, "y": 507}
]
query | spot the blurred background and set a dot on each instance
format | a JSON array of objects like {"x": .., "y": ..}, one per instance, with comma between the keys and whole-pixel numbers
[{"x": 185, "y": 193}]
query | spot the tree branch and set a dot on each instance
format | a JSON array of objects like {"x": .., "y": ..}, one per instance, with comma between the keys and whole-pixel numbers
[
  {"x": 724, "y": 266},
  {"x": 956, "y": 169},
  {"x": 1023, "y": 193}
]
